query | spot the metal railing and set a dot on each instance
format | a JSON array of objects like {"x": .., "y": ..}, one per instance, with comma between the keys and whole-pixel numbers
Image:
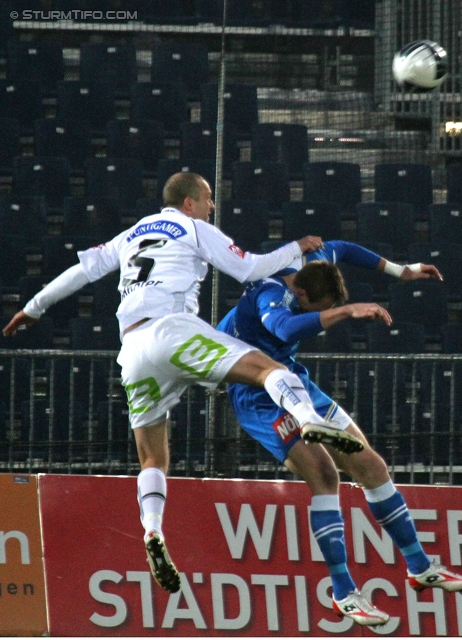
[{"x": 65, "y": 412}]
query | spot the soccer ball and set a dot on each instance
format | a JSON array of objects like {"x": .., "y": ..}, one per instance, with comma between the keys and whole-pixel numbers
[{"x": 420, "y": 66}]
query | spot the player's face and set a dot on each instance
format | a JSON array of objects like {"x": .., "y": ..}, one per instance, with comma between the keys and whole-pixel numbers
[
  {"x": 203, "y": 206},
  {"x": 321, "y": 305}
]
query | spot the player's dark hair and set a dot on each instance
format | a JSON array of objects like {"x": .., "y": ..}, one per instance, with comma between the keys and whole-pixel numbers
[
  {"x": 180, "y": 186},
  {"x": 319, "y": 279}
]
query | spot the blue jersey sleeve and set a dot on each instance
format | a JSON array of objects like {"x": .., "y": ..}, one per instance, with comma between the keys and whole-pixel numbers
[
  {"x": 292, "y": 328},
  {"x": 348, "y": 252},
  {"x": 275, "y": 305}
]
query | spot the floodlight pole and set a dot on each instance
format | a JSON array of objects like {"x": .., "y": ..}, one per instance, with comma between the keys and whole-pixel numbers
[{"x": 211, "y": 415}]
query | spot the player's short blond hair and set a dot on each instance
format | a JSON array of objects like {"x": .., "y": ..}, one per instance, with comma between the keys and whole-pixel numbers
[{"x": 181, "y": 186}]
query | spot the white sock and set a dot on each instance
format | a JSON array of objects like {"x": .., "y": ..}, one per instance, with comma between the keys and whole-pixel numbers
[
  {"x": 287, "y": 391},
  {"x": 152, "y": 493}
]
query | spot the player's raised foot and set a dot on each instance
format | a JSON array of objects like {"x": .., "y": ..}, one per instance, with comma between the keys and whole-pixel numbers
[
  {"x": 356, "y": 607},
  {"x": 324, "y": 434},
  {"x": 160, "y": 563},
  {"x": 435, "y": 576}
]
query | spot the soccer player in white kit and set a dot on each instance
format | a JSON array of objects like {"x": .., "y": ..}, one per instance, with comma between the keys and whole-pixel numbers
[{"x": 165, "y": 347}]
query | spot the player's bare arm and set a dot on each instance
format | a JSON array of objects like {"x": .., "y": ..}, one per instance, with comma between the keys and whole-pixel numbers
[
  {"x": 17, "y": 321},
  {"x": 310, "y": 243},
  {"x": 358, "y": 310}
]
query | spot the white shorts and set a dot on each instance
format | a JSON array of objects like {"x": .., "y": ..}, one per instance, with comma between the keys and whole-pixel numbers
[{"x": 161, "y": 358}]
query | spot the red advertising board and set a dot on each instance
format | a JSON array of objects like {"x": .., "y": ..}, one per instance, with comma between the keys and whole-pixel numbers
[{"x": 249, "y": 564}]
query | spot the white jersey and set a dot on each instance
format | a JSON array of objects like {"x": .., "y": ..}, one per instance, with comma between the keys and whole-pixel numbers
[{"x": 163, "y": 259}]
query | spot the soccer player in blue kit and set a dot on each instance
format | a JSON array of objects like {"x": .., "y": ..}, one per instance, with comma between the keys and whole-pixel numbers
[{"x": 273, "y": 314}]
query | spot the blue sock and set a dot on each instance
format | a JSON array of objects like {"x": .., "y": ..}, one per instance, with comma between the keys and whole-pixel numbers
[
  {"x": 328, "y": 530},
  {"x": 391, "y": 512}
]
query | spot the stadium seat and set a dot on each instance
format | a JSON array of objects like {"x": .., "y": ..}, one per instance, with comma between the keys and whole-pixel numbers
[
  {"x": 98, "y": 218},
  {"x": 59, "y": 252},
  {"x": 268, "y": 181},
  {"x": 82, "y": 376},
  {"x": 311, "y": 218},
  {"x": 94, "y": 100},
  {"x": 21, "y": 100},
  {"x": 447, "y": 257},
  {"x": 246, "y": 222},
  {"x": 440, "y": 382},
  {"x": 159, "y": 11},
  {"x": 165, "y": 102},
  {"x": 338, "y": 182},
  {"x": 119, "y": 179},
  {"x": 142, "y": 140},
  {"x": 9, "y": 148},
  {"x": 335, "y": 339},
  {"x": 185, "y": 62},
  {"x": 50, "y": 433},
  {"x": 95, "y": 333},
  {"x": 287, "y": 143},
  {"x": 24, "y": 215},
  {"x": 37, "y": 336},
  {"x": 66, "y": 138},
  {"x": 13, "y": 253},
  {"x": 47, "y": 176},
  {"x": 390, "y": 222},
  {"x": 114, "y": 63},
  {"x": 199, "y": 141},
  {"x": 19, "y": 368},
  {"x": 167, "y": 167},
  {"x": 453, "y": 182},
  {"x": 401, "y": 337},
  {"x": 148, "y": 207},
  {"x": 38, "y": 60},
  {"x": 445, "y": 222},
  {"x": 106, "y": 296},
  {"x": 422, "y": 300},
  {"x": 409, "y": 183},
  {"x": 451, "y": 338},
  {"x": 112, "y": 433},
  {"x": 240, "y": 106}
]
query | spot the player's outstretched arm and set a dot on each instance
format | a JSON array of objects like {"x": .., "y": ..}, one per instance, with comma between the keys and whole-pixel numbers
[
  {"x": 426, "y": 271},
  {"x": 407, "y": 272},
  {"x": 18, "y": 320},
  {"x": 62, "y": 286},
  {"x": 364, "y": 310}
]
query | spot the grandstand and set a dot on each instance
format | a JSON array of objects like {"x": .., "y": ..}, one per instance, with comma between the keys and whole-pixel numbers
[{"x": 98, "y": 107}]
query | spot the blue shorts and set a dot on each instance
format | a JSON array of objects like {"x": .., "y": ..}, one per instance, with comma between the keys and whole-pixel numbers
[{"x": 270, "y": 425}]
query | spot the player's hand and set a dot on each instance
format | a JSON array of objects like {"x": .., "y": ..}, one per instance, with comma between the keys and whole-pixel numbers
[
  {"x": 310, "y": 243},
  {"x": 19, "y": 320},
  {"x": 371, "y": 311},
  {"x": 426, "y": 271}
]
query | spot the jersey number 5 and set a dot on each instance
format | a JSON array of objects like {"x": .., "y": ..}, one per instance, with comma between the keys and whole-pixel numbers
[{"x": 144, "y": 264}]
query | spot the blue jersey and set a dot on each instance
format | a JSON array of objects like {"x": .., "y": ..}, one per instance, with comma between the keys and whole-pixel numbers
[
  {"x": 267, "y": 315},
  {"x": 268, "y": 318}
]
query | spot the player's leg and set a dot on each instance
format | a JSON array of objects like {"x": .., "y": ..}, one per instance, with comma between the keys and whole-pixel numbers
[
  {"x": 153, "y": 452},
  {"x": 288, "y": 392},
  {"x": 149, "y": 398},
  {"x": 389, "y": 508},
  {"x": 325, "y": 516},
  {"x": 315, "y": 466}
]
